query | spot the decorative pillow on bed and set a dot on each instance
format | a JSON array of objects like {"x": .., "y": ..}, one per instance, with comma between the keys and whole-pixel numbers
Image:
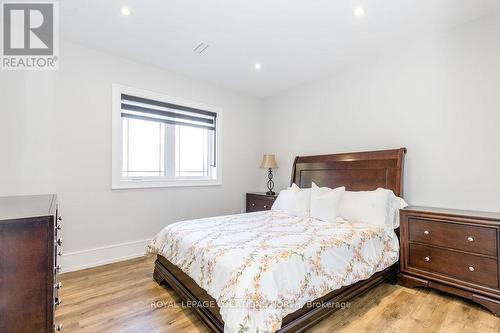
[
  {"x": 379, "y": 207},
  {"x": 294, "y": 200},
  {"x": 325, "y": 202},
  {"x": 397, "y": 203}
]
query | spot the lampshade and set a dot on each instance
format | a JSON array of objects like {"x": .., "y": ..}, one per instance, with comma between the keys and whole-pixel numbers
[{"x": 269, "y": 162}]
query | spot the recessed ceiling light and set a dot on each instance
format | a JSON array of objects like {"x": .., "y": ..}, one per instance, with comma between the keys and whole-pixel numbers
[
  {"x": 359, "y": 11},
  {"x": 257, "y": 66},
  {"x": 126, "y": 11}
]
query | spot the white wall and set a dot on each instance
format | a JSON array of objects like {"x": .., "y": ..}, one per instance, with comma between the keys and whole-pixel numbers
[
  {"x": 439, "y": 97},
  {"x": 55, "y": 137}
]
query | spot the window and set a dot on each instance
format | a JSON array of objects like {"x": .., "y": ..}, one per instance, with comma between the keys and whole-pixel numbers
[{"x": 161, "y": 141}]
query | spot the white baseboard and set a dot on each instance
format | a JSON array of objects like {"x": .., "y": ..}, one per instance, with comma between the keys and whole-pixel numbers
[{"x": 75, "y": 261}]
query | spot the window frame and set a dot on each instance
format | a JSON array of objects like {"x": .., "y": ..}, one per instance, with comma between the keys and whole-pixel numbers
[{"x": 120, "y": 182}]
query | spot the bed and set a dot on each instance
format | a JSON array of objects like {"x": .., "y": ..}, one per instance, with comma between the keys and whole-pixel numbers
[{"x": 200, "y": 272}]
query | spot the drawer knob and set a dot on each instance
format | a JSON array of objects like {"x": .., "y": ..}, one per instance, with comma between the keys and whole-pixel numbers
[
  {"x": 59, "y": 253},
  {"x": 471, "y": 268},
  {"x": 58, "y": 327},
  {"x": 265, "y": 206},
  {"x": 470, "y": 239},
  {"x": 59, "y": 241},
  {"x": 427, "y": 258},
  {"x": 58, "y": 227},
  {"x": 58, "y": 285},
  {"x": 426, "y": 232},
  {"x": 253, "y": 205},
  {"x": 58, "y": 301},
  {"x": 59, "y": 218}
]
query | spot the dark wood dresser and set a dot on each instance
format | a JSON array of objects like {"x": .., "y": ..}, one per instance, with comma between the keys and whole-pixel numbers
[
  {"x": 28, "y": 263},
  {"x": 454, "y": 251},
  {"x": 258, "y": 201}
]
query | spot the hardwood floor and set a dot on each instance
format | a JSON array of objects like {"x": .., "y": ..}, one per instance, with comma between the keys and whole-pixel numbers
[{"x": 104, "y": 300}]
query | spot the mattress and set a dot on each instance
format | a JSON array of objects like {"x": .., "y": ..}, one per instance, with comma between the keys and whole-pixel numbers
[{"x": 261, "y": 266}]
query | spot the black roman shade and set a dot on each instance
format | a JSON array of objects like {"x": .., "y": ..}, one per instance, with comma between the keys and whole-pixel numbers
[
  {"x": 134, "y": 107},
  {"x": 151, "y": 110}
]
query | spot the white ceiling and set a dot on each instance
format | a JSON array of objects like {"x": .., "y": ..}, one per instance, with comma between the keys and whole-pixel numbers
[{"x": 294, "y": 40}]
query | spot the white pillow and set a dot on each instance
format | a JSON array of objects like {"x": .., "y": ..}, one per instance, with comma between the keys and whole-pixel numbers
[
  {"x": 294, "y": 201},
  {"x": 325, "y": 202},
  {"x": 379, "y": 207},
  {"x": 397, "y": 203}
]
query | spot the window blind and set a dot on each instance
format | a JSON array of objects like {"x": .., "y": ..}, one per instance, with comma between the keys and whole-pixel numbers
[{"x": 148, "y": 109}]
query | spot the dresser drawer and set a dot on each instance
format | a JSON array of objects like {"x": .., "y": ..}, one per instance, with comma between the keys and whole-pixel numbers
[
  {"x": 468, "y": 238},
  {"x": 457, "y": 265},
  {"x": 257, "y": 203}
]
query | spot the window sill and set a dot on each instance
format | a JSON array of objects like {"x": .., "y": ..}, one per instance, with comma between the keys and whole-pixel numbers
[{"x": 137, "y": 184}]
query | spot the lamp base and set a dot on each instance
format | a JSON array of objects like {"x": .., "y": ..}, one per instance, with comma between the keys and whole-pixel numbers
[{"x": 270, "y": 183}]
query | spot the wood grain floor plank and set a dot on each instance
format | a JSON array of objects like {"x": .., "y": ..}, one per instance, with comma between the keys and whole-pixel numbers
[{"x": 104, "y": 299}]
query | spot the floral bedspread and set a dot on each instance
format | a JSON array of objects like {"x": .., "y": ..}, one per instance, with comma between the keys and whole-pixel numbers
[{"x": 261, "y": 266}]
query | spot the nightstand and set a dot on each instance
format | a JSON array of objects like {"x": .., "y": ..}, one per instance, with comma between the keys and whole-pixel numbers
[
  {"x": 259, "y": 201},
  {"x": 455, "y": 251}
]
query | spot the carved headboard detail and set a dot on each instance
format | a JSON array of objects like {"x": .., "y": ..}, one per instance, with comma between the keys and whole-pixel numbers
[{"x": 361, "y": 171}]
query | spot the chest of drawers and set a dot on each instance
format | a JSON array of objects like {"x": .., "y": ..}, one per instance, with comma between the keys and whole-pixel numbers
[
  {"x": 452, "y": 250},
  {"x": 29, "y": 250}
]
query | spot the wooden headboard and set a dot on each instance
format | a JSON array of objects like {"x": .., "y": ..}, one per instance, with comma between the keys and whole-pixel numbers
[{"x": 362, "y": 171}]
